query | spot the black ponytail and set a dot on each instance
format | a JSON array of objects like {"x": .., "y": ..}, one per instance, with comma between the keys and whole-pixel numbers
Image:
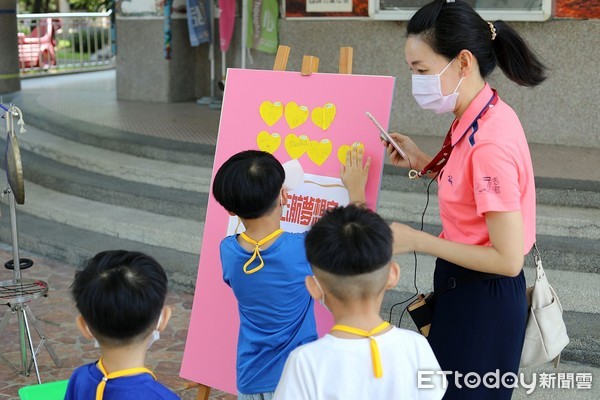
[
  {"x": 452, "y": 27},
  {"x": 515, "y": 58}
]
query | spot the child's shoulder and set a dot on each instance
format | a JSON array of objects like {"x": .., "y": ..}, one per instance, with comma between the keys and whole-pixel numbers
[
  {"x": 408, "y": 335},
  {"x": 162, "y": 392},
  {"x": 290, "y": 238}
]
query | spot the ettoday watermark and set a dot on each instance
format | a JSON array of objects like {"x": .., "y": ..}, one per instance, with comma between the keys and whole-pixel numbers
[{"x": 496, "y": 379}]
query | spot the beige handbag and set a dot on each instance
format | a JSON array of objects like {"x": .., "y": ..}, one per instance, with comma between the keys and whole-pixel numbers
[{"x": 546, "y": 333}]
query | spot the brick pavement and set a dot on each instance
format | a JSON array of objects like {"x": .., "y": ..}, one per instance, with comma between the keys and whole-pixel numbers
[{"x": 56, "y": 315}]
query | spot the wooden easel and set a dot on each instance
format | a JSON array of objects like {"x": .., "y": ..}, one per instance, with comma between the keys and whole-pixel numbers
[{"x": 310, "y": 64}]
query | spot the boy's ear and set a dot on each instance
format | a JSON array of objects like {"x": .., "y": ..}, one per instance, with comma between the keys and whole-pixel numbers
[
  {"x": 313, "y": 289},
  {"x": 83, "y": 327},
  {"x": 231, "y": 213},
  {"x": 393, "y": 276},
  {"x": 284, "y": 196},
  {"x": 165, "y": 316}
]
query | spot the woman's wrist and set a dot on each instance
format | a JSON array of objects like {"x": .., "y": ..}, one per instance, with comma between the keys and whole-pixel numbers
[{"x": 422, "y": 160}]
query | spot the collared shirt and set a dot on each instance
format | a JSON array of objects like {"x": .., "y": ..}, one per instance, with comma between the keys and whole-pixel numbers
[{"x": 489, "y": 169}]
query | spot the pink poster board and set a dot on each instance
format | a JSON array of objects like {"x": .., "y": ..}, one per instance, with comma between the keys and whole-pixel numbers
[{"x": 308, "y": 118}]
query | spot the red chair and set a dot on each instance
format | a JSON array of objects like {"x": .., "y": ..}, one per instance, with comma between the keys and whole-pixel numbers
[{"x": 38, "y": 48}]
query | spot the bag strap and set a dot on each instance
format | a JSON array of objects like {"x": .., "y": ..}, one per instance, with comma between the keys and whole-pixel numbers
[{"x": 539, "y": 269}]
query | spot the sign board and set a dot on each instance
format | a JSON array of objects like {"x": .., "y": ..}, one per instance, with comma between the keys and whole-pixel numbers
[{"x": 312, "y": 119}]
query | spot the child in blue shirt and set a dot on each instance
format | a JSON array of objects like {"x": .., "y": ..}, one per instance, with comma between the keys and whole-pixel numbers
[
  {"x": 266, "y": 267},
  {"x": 120, "y": 296}
]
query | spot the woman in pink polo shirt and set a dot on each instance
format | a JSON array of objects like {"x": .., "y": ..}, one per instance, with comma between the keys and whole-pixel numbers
[{"x": 486, "y": 192}]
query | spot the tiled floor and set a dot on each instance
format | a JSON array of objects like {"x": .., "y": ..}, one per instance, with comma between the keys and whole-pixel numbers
[{"x": 56, "y": 316}]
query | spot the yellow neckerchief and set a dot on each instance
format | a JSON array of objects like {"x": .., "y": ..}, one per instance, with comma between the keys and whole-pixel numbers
[
  {"x": 375, "y": 358},
  {"x": 257, "y": 249},
  {"x": 117, "y": 374}
]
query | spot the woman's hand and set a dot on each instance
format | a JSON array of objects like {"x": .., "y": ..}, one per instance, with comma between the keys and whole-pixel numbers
[
  {"x": 405, "y": 238},
  {"x": 410, "y": 148},
  {"x": 354, "y": 174}
]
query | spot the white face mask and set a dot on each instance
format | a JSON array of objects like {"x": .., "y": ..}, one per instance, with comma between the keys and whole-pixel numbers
[
  {"x": 155, "y": 333},
  {"x": 427, "y": 90},
  {"x": 322, "y": 299}
]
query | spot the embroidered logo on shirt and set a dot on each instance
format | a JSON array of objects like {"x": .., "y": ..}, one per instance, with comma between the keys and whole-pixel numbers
[
  {"x": 489, "y": 185},
  {"x": 450, "y": 180}
]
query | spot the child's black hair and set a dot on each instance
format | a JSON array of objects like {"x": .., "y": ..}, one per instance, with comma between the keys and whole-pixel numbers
[
  {"x": 120, "y": 294},
  {"x": 349, "y": 241},
  {"x": 449, "y": 28},
  {"x": 248, "y": 184}
]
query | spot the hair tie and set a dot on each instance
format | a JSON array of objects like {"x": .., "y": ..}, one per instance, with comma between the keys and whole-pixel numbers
[{"x": 493, "y": 30}]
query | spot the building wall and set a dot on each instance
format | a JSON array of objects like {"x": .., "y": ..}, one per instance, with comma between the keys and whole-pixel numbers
[{"x": 563, "y": 110}]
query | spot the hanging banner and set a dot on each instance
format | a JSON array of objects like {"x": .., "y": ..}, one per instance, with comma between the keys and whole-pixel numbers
[
  {"x": 263, "y": 29},
  {"x": 226, "y": 23},
  {"x": 167, "y": 29},
  {"x": 198, "y": 19}
]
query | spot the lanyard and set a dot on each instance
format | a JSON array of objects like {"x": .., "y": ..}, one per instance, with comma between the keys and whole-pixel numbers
[
  {"x": 375, "y": 358},
  {"x": 257, "y": 250},
  {"x": 117, "y": 374},
  {"x": 442, "y": 157}
]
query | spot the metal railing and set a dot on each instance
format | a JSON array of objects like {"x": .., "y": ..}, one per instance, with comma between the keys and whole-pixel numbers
[{"x": 65, "y": 42}]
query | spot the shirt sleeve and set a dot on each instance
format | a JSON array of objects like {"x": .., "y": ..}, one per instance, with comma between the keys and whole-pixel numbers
[
  {"x": 495, "y": 179},
  {"x": 296, "y": 381},
  {"x": 221, "y": 252}
]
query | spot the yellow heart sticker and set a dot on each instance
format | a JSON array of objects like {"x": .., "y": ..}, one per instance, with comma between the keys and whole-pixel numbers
[
  {"x": 323, "y": 116},
  {"x": 296, "y": 145},
  {"x": 269, "y": 143},
  {"x": 271, "y": 112},
  {"x": 295, "y": 115},
  {"x": 319, "y": 152},
  {"x": 343, "y": 150}
]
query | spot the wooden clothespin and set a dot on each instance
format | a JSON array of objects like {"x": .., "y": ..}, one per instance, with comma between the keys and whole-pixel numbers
[
  {"x": 281, "y": 59},
  {"x": 345, "y": 66},
  {"x": 310, "y": 64}
]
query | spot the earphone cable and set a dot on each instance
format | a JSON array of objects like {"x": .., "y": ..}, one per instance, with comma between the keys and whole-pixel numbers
[{"x": 416, "y": 258}]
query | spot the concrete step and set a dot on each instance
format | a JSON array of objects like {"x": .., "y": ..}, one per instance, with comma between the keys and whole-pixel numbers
[
  {"x": 551, "y": 191},
  {"x": 103, "y": 137},
  {"x": 114, "y": 163},
  {"x": 568, "y": 233},
  {"x": 113, "y": 190},
  {"x": 73, "y": 246},
  {"x": 123, "y": 222}
]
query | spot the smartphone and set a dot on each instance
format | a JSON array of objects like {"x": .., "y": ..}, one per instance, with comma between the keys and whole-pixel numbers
[{"x": 386, "y": 136}]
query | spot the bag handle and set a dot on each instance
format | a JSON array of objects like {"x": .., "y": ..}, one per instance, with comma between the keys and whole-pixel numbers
[{"x": 538, "y": 262}]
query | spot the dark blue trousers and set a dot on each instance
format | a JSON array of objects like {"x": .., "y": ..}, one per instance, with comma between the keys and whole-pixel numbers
[{"x": 478, "y": 327}]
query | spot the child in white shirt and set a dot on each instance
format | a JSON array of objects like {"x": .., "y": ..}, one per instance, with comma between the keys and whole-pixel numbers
[{"x": 362, "y": 357}]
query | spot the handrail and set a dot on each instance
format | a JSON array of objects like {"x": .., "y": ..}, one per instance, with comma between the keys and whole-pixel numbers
[
  {"x": 74, "y": 42},
  {"x": 67, "y": 15}
]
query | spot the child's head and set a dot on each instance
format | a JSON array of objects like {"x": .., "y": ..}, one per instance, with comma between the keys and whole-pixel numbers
[
  {"x": 249, "y": 184},
  {"x": 120, "y": 295},
  {"x": 350, "y": 251}
]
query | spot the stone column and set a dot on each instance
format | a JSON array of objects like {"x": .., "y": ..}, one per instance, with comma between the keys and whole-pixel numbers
[{"x": 9, "y": 47}]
